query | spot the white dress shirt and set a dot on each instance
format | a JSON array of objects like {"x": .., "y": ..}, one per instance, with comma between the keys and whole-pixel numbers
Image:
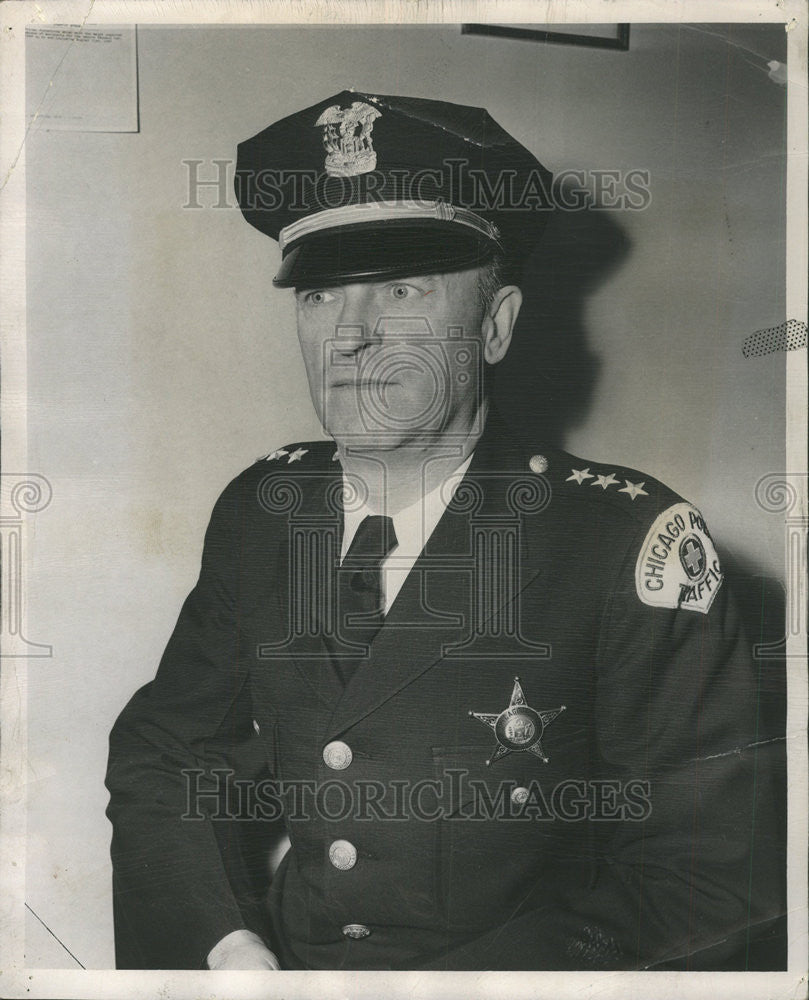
[{"x": 413, "y": 526}]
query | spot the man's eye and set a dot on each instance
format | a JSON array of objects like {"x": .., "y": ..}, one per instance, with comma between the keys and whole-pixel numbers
[
  {"x": 318, "y": 297},
  {"x": 401, "y": 291}
]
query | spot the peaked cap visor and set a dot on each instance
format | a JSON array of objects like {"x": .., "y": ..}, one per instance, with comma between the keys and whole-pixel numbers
[{"x": 389, "y": 250}]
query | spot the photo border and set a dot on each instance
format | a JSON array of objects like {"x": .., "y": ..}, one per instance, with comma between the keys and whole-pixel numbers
[{"x": 15, "y": 979}]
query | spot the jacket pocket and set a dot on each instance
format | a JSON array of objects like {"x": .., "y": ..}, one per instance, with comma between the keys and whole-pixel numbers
[{"x": 494, "y": 836}]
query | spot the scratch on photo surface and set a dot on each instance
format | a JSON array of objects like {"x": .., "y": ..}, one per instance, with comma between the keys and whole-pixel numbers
[
  {"x": 35, "y": 115},
  {"x": 54, "y": 936},
  {"x": 767, "y": 60},
  {"x": 738, "y": 750}
]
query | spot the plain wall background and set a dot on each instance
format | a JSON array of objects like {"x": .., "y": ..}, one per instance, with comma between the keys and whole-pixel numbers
[{"x": 162, "y": 361}]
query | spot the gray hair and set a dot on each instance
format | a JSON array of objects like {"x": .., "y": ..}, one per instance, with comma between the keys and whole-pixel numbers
[{"x": 491, "y": 279}]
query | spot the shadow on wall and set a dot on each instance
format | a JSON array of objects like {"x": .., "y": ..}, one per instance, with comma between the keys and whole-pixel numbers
[
  {"x": 544, "y": 386},
  {"x": 762, "y": 604}
]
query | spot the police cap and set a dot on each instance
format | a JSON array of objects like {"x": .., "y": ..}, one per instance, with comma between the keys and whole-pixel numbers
[{"x": 364, "y": 187}]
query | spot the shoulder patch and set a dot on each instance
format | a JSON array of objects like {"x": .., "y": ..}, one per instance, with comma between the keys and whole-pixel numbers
[{"x": 677, "y": 565}]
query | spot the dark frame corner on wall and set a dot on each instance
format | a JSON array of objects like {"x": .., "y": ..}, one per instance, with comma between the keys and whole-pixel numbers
[{"x": 619, "y": 41}]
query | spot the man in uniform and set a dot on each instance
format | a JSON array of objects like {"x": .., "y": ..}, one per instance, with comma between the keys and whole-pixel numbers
[{"x": 501, "y": 695}]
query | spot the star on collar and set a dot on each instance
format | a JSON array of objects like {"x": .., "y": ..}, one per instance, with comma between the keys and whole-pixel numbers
[
  {"x": 278, "y": 453},
  {"x": 518, "y": 728},
  {"x": 297, "y": 455},
  {"x": 605, "y": 481},
  {"x": 634, "y": 489},
  {"x": 580, "y": 475}
]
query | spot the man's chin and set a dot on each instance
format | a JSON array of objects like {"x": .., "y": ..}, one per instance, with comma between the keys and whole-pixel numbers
[
  {"x": 366, "y": 440},
  {"x": 365, "y": 431},
  {"x": 368, "y": 432}
]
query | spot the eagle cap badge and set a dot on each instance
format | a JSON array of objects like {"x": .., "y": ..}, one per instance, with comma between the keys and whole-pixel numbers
[{"x": 347, "y": 139}]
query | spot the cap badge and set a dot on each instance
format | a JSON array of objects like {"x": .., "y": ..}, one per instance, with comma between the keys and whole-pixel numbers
[
  {"x": 518, "y": 727},
  {"x": 347, "y": 139}
]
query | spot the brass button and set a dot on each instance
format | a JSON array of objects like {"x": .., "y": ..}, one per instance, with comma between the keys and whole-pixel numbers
[
  {"x": 257, "y": 727},
  {"x": 337, "y": 755},
  {"x": 343, "y": 855},
  {"x": 538, "y": 464},
  {"x": 519, "y": 796},
  {"x": 356, "y": 931}
]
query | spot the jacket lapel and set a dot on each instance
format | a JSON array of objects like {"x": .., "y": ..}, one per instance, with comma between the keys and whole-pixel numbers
[
  {"x": 459, "y": 599},
  {"x": 307, "y": 556}
]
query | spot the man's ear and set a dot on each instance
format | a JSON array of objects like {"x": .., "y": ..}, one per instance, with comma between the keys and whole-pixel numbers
[{"x": 498, "y": 323}]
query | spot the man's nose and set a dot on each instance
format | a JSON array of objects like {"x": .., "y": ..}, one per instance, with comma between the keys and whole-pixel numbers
[{"x": 356, "y": 324}]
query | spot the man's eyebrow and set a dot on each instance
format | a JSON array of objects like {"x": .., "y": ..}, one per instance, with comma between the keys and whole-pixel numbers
[{"x": 417, "y": 277}]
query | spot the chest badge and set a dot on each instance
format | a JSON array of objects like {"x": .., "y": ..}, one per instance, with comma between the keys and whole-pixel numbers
[{"x": 519, "y": 727}]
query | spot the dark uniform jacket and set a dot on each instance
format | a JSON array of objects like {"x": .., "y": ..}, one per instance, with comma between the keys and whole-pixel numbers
[{"x": 637, "y": 832}]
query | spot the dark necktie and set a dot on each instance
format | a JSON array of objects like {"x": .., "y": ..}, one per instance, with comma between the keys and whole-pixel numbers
[{"x": 360, "y": 598}]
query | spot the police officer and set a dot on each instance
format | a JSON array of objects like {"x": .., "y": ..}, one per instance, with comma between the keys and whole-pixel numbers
[{"x": 500, "y": 694}]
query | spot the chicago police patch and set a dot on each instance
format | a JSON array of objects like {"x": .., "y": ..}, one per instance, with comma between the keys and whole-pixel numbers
[{"x": 678, "y": 566}]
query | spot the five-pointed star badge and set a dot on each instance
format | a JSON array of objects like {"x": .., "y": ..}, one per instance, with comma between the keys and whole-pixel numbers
[
  {"x": 278, "y": 453},
  {"x": 297, "y": 455},
  {"x": 605, "y": 481},
  {"x": 580, "y": 475},
  {"x": 634, "y": 489},
  {"x": 518, "y": 727}
]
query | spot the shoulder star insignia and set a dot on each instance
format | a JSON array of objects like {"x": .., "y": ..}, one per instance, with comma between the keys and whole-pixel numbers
[
  {"x": 580, "y": 475},
  {"x": 634, "y": 489},
  {"x": 278, "y": 453},
  {"x": 297, "y": 455},
  {"x": 605, "y": 481},
  {"x": 336, "y": 457},
  {"x": 518, "y": 728}
]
